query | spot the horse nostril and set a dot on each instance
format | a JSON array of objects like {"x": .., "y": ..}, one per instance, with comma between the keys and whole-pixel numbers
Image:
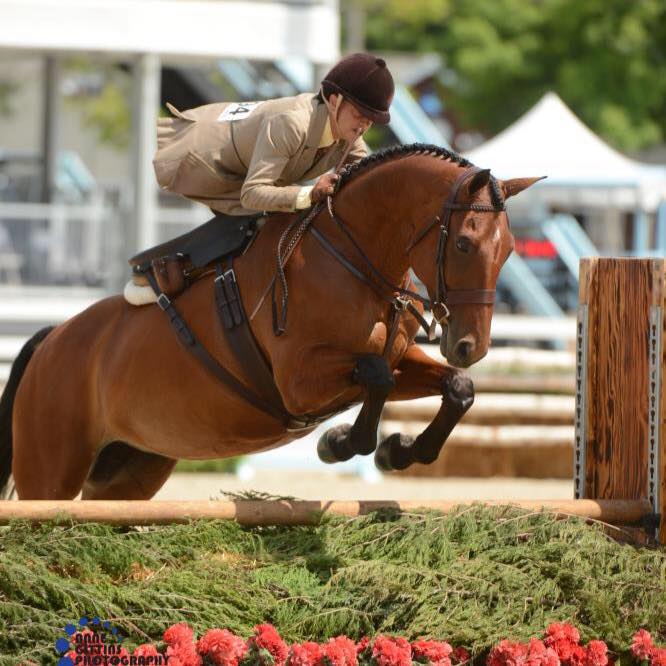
[{"x": 463, "y": 350}]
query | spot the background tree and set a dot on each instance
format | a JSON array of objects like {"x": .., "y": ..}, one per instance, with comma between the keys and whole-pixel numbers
[{"x": 605, "y": 58}]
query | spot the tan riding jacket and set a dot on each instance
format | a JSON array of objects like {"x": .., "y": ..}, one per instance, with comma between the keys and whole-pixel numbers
[{"x": 240, "y": 158}]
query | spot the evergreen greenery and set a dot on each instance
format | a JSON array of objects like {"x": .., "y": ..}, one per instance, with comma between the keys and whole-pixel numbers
[{"x": 472, "y": 578}]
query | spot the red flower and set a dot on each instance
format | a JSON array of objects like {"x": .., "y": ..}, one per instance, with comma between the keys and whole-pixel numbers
[
  {"x": 596, "y": 654},
  {"x": 562, "y": 631},
  {"x": 305, "y": 654},
  {"x": 507, "y": 653},
  {"x": 578, "y": 656},
  {"x": 563, "y": 638},
  {"x": 388, "y": 651},
  {"x": 223, "y": 647},
  {"x": 362, "y": 645},
  {"x": 460, "y": 655},
  {"x": 658, "y": 657},
  {"x": 78, "y": 640},
  {"x": 183, "y": 654},
  {"x": 146, "y": 650},
  {"x": 432, "y": 652},
  {"x": 179, "y": 633},
  {"x": 267, "y": 638},
  {"x": 642, "y": 645},
  {"x": 540, "y": 655},
  {"x": 340, "y": 651}
]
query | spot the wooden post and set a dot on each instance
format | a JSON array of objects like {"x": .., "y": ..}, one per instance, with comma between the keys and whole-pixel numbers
[{"x": 620, "y": 450}]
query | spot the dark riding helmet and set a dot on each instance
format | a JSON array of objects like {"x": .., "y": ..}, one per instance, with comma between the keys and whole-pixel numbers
[{"x": 366, "y": 82}]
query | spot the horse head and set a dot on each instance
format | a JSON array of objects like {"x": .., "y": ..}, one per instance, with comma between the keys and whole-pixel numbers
[{"x": 472, "y": 242}]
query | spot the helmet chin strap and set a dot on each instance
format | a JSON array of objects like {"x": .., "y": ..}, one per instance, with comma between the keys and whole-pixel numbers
[
  {"x": 334, "y": 113},
  {"x": 334, "y": 110}
]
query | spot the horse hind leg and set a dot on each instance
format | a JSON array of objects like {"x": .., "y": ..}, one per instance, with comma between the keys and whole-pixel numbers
[
  {"x": 344, "y": 441},
  {"x": 52, "y": 450},
  {"x": 124, "y": 472}
]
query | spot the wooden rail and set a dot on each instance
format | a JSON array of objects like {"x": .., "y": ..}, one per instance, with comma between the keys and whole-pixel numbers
[
  {"x": 491, "y": 409},
  {"x": 285, "y": 512}
]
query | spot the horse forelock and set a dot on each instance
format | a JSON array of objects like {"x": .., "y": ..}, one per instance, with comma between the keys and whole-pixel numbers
[{"x": 351, "y": 171}]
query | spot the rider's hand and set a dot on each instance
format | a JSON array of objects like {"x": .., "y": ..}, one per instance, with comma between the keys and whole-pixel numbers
[{"x": 323, "y": 187}]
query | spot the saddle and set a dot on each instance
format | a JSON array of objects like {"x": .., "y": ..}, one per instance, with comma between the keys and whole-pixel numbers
[
  {"x": 178, "y": 262},
  {"x": 170, "y": 267}
]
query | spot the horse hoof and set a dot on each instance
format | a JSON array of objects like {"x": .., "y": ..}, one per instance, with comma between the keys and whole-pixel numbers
[
  {"x": 332, "y": 445},
  {"x": 394, "y": 453}
]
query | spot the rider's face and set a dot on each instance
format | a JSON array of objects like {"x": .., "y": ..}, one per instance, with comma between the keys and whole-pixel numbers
[{"x": 349, "y": 120}]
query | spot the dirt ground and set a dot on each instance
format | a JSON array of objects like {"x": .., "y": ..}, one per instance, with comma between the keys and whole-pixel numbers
[{"x": 328, "y": 485}]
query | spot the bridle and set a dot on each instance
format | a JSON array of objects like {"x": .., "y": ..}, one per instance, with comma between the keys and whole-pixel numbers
[
  {"x": 401, "y": 298},
  {"x": 443, "y": 296}
]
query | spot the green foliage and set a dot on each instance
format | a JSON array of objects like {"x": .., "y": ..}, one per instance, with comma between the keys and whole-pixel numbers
[
  {"x": 110, "y": 115},
  {"x": 472, "y": 577},
  {"x": 224, "y": 466},
  {"x": 107, "y": 112},
  {"x": 605, "y": 58}
]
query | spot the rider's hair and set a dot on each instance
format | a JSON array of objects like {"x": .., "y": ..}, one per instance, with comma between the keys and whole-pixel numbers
[
  {"x": 352, "y": 170},
  {"x": 325, "y": 91}
]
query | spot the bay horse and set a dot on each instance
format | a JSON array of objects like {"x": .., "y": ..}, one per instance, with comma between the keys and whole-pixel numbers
[{"x": 107, "y": 402}]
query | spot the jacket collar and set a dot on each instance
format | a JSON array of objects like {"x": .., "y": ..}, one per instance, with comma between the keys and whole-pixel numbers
[
  {"x": 318, "y": 122},
  {"x": 327, "y": 135}
]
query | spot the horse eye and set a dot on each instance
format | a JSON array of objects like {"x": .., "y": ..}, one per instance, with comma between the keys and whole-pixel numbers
[{"x": 463, "y": 244}]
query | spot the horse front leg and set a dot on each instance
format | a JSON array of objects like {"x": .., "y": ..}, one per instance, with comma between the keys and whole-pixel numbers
[
  {"x": 345, "y": 441},
  {"x": 418, "y": 375}
]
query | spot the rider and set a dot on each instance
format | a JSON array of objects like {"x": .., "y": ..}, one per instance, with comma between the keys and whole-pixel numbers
[{"x": 246, "y": 158}]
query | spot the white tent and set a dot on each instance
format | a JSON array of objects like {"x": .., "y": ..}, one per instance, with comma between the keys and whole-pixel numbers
[{"x": 549, "y": 140}]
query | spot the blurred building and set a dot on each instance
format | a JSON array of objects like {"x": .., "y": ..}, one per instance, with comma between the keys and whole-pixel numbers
[{"x": 73, "y": 209}]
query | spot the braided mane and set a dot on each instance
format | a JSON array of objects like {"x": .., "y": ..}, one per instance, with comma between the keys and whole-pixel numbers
[{"x": 404, "y": 150}]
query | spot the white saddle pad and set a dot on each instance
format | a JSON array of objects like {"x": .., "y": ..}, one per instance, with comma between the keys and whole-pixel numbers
[{"x": 139, "y": 295}]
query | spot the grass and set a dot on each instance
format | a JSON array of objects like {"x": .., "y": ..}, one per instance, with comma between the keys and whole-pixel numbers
[{"x": 472, "y": 577}]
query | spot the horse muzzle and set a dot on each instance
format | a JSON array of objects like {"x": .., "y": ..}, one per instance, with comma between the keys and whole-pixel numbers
[{"x": 463, "y": 352}]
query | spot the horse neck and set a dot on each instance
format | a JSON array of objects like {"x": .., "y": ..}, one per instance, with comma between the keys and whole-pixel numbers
[{"x": 382, "y": 219}]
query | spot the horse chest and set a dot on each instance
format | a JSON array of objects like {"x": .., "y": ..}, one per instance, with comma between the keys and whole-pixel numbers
[{"x": 379, "y": 336}]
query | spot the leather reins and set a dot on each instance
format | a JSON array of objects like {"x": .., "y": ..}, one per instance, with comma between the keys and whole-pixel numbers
[{"x": 402, "y": 298}]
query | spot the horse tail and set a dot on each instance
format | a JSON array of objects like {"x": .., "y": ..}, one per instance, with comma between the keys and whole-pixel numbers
[{"x": 7, "y": 405}]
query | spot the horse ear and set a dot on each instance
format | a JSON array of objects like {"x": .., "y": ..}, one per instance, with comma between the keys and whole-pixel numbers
[
  {"x": 479, "y": 180},
  {"x": 517, "y": 185}
]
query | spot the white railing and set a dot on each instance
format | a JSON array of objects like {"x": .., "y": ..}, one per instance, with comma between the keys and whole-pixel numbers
[{"x": 73, "y": 243}]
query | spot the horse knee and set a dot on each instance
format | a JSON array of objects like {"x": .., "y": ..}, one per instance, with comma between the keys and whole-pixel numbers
[
  {"x": 458, "y": 391},
  {"x": 373, "y": 372}
]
